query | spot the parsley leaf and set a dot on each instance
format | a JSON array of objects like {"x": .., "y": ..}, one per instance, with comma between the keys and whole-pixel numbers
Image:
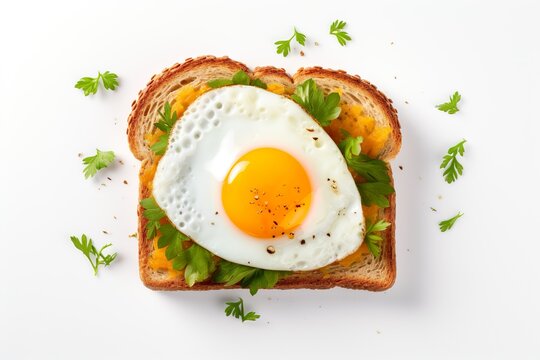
[
  {"x": 453, "y": 168},
  {"x": 109, "y": 80},
  {"x": 451, "y": 106},
  {"x": 230, "y": 273},
  {"x": 197, "y": 263},
  {"x": 373, "y": 240},
  {"x": 101, "y": 160},
  {"x": 172, "y": 239},
  {"x": 160, "y": 146},
  {"x": 236, "y": 309},
  {"x": 166, "y": 118},
  {"x": 214, "y": 84},
  {"x": 373, "y": 170},
  {"x": 258, "y": 83},
  {"x": 89, "y": 85},
  {"x": 239, "y": 78},
  {"x": 447, "y": 224},
  {"x": 153, "y": 213},
  {"x": 95, "y": 257},
  {"x": 299, "y": 37},
  {"x": 336, "y": 29},
  {"x": 312, "y": 99},
  {"x": 350, "y": 145},
  {"x": 284, "y": 46},
  {"x": 375, "y": 193},
  {"x": 377, "y": 187},
  {"x": 165, "y": 123}
]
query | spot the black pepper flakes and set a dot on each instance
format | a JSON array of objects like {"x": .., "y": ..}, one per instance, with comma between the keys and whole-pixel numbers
[{"x": 302, "y": 242}]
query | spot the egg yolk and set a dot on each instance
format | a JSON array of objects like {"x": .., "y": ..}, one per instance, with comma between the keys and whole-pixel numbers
[{"x": 267, "y": 193}]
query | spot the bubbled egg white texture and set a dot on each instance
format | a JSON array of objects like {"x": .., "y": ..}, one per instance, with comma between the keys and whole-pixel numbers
[{"x": 214, "y": 132}]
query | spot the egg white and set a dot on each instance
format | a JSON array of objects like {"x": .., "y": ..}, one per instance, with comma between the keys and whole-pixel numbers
[{"x": 217, "y": 129}]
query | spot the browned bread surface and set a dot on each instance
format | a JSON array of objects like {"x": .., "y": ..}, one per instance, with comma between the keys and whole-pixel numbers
[{"x": 367, "y": 273}]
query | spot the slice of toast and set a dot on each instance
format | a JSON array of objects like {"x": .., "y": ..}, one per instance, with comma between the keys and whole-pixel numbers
[{"x": 367, "y": 272}]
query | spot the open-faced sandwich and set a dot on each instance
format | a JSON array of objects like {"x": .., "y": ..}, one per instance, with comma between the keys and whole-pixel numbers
[{"x": 262, "y": 180}]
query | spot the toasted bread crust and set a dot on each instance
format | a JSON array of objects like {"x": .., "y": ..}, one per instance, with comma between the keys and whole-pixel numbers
[{"x": 380, "y": 273}]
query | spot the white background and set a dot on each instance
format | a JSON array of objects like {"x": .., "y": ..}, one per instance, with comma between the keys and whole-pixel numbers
[{"x": 472, "y": 292}]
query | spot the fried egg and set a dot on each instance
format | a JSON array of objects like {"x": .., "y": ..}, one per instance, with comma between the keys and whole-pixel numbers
[{"x": 251, "y": 177}]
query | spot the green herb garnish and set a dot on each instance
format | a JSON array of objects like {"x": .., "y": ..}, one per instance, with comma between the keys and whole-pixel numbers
[
  {"x": 95, "y": 257},
  {"x": 377, "y": 186},
  {"x": 230, "y": 273},
  {"x": 236, "y": 309},
  {"x": 197, "y": 262},
  {"x": 284, "y": 46},
  {"x": 240, "y": 78},
  {"x": 312, "y": 99},
  {"x": 101, "y": 160},
  {"x": 448, "y": 224},
  {"x": 350, "y": 146},
  {"x": 373, "y": 240},
  {"x": 453, "y": 168},
  {"x": 153, "y": 214},
  {"x": 89, "y": 85},
  {"x": 165, "y": 123},
  {"x": 450, "y": 106},
  {"x": 375, "y": 193},
  {"x": 336, "y": 29}
]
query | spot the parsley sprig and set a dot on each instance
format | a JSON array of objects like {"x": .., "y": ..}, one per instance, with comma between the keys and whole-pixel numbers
[
  {"x": 451, "y": 106},
  {"x": 350, "y": 146},
  {"x": 373, "y": 239},
  {"x": 89, "y": 85},
  {"x": 101, "y": 160},
  {"x": 197, "y": 262},
  {"x": 153, "y": 214},
  {"x": 229, "y": 273},
  {"x": 236, "y": 309},
  {"x": 284, "y": 46},
  {"x": 95, "y": 257},
  {"x": 323, "y": 108},
  {"x": 166, "y": 121},
  {"x": 239, "y": 78},
  {"x": 448, "y": 224},
  {"x": 336, "y": 29},
  {"x": 376, "y": 186},
  {"x": 453, "y": 168}
]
